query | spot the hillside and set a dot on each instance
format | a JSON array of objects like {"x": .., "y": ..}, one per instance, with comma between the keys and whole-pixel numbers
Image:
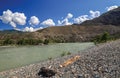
[
  {"x": 109, "y": 18},
  {"x": 77, "y": 33}
]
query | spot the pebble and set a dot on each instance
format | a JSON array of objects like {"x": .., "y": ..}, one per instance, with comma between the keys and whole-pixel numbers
[{"x": 101, "y": 61}]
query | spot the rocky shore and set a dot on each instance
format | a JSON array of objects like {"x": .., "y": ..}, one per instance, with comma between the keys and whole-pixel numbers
[{"x": 101, "y": 61}]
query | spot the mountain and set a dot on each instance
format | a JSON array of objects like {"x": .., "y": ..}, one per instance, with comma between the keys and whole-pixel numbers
[
  {"x": 77, "y": 33},
  {"x": 109, "y": 18},
  {"x": 10, "y": 31},
  {"x": 107, "y": 22}
]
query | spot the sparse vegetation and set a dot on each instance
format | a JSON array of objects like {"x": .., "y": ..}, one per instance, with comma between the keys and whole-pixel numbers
[
  {"x": 68, "y": 53},
  {"x": 23, "y": 41},
  {"x": 102, "y": 38},
  {"x": 65, "y": 53},
  {"x": 46, "y": 41},
  {"x": 7, "y": 42},
  {"x": 50, "y": 58}
]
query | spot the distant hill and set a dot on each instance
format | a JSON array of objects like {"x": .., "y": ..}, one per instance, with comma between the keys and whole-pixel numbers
[
  {"x": 109, "y": 18},
  {"x": 10, "y": 31},
  {"x": 107, "y": 22},
  {"x": 77, "y": 33}
]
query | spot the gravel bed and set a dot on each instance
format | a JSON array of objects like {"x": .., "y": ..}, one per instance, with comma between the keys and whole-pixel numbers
[{"x": 101, "y": 61}]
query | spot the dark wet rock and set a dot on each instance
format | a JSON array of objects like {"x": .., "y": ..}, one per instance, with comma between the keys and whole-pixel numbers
[{"x": 44, "y": 72}]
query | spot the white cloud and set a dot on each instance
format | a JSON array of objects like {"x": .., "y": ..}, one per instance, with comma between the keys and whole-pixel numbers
[
  {"x": 6, "y": 17},
  {"x": 65, "y": 21},
  {"x": 48, "y": 22},
  {"x": 28, "y": 29},
  {"x": 81, "y": 19},
  {"x": 13, "y": 19},
  {"x": 34, "y": 20},
  {"x": 112, "y": 7},
  {"x": 36, "y": 29},
  {"x": 69, "y": 15},
  {"x": 19, "y": 18},
  {"x": 13, "y": 24},
  {"x": 94, "y": 14}
]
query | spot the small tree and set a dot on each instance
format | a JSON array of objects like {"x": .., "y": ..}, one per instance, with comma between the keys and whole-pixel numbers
[
  {"x": 102, "y": 38},
  {"x": 105, "y": 37},
  {"x": 21, "y": 42},
  {"x": 7, "y": 41},
  {"x": 46, "y": 41}
]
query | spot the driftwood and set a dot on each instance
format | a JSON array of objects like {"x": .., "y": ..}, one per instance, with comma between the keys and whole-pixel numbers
[
  {"x": 70, "y": 61},
  {"x": 47, "y": 72}
]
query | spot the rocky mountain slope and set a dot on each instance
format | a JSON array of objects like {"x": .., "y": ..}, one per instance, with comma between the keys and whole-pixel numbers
[{"x": 109, "y": 18}]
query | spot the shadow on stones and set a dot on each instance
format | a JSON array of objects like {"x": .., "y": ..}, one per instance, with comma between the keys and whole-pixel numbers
[{"x": 44, "y": 72}]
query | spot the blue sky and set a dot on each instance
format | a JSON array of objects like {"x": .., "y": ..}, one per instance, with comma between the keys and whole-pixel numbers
[{"x": 45, "y": 13}]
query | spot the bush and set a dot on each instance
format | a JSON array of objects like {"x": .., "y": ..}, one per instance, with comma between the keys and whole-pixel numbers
[
  {"x": 46, "y": 41},
  {"x": 63, "y": 54},
  {"x": 49, "y": 58},
  {"x": 8, "y": 41},
  {"x": 21, "y": 42},
  {"x": 102, "y": 38},
  {"x": 105, "y": 37},
  {"x": 68, "y": 53}
]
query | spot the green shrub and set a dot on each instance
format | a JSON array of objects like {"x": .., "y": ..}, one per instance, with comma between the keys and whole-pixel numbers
[
  {"x": 102, "y": 38},
  {"x": 105, "y": 37},
  {"x": 46, "y": 41},
  {"x": 68, "y": 53},
  {"x": 49, "y": 58},
  {"x": 63, "y": 54},
  {"x": 8, "y": 41},
  {"x": 21, "y": 42}
]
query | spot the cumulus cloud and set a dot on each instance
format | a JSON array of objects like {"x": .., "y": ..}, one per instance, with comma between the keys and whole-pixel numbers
[
  {"x": 48, "y": 22},
  {"x": 35, "y": 29},
  {"x": 34, "y": 20},
  {"x": 13, "y": 19},
  {"x": 13, "y": 24},
  {"x": 19, "y": 18},
  {"x": 112, "y": 7},
  {"x": 81, "y": 19},
  {"x": 6, "y": 17},
  {"x": 94, "y": 14},
  {"x": 28, "y": 29},
  {"x": 69, "y": 15},
  {"x": 65, "y": 21}
]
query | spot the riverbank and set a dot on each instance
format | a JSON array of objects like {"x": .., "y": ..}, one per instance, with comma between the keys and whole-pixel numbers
[
  {"x": 24, "y": 55},
  {"x": 101, "y": 61}
]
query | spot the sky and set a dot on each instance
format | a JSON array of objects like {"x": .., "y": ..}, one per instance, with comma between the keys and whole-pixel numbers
[{"x": 31, "y": 15}]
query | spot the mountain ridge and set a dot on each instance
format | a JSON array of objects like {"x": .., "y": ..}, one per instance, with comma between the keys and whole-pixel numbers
[{"x": 111, "y": 17}]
